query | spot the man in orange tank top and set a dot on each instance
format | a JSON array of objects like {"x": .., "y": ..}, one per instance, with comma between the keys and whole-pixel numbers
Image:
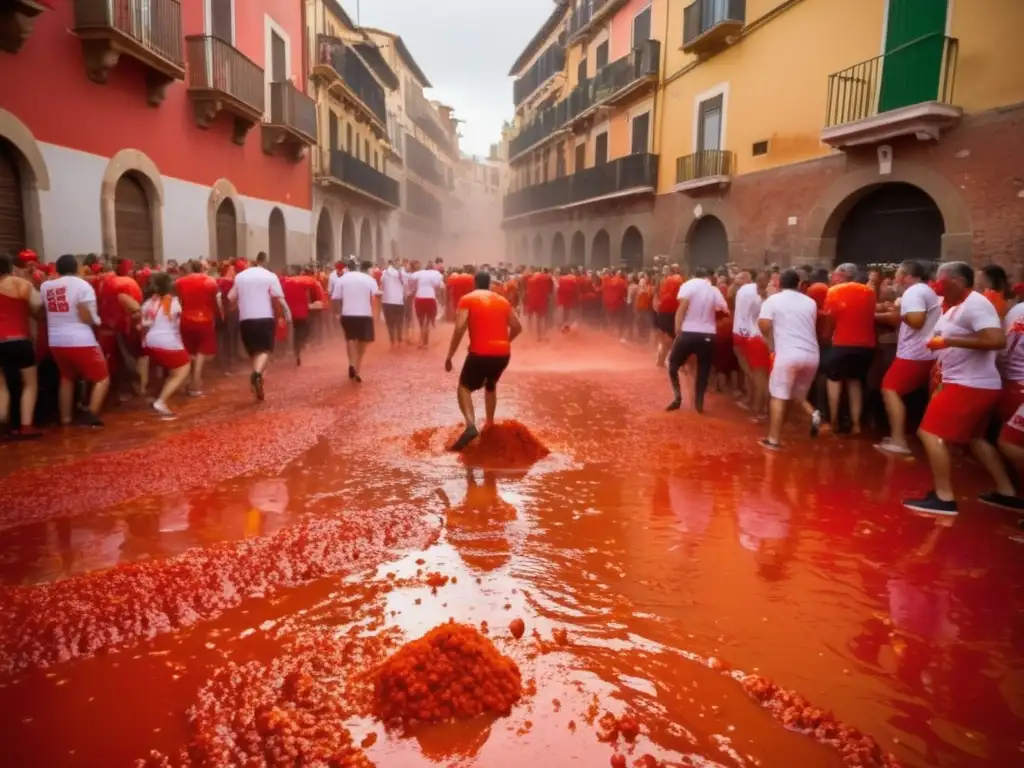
[{"x": 492, "y": 324}]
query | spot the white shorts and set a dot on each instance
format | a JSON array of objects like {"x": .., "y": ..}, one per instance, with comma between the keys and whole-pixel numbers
[{"x": 791, "y": 378}]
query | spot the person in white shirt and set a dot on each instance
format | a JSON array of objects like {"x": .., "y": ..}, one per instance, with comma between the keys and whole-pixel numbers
[
  {"x": 71, "y": 316},
  {"x": 916, "y": 313},
  {"x": 161, "y": 341},
  {"x": 332, "y": 279},
  {"x": 428, "y": 287},
  {"x": 968, "y": 338},
  {"x": 355, "y": 291},
  {"x": 392, "y": 302},
  {"x": 788, "y": 319},
  {"x": 257, "y": 292},
  {"x": 1011, "y": 402},
  {"x": 751, "y": 348},
  {"x": 699, "y": 304}
]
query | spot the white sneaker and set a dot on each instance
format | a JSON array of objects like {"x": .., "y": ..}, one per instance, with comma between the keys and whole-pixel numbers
[{"x": 162, "y": 410}]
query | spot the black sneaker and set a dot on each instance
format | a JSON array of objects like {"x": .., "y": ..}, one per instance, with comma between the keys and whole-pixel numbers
[
  {"x": 257, "y": 386},
  {"x": 770, "y": 445},
  {"x": 89, "y": 419},
  {"x": 996, "y": 499},
  {"x": 931, "y": 504},
  {"x": 468, "y": 436},
  {"x": 675, "y": 405},
  {"x": 351, "y": 371}
]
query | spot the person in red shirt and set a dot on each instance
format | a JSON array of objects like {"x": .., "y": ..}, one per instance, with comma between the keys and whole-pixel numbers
[
  {"x": 118, "y": 304},
  {"x": 300, "y": 293},
  {"x": 201, "y": 307},
  {"x": 539, "y": 287},
  {"x": 666, "y": 303},
  {"x": 568, "y": 297},
  {"x": 459, "y": 284},
  {"x": 614, "y": 289}
]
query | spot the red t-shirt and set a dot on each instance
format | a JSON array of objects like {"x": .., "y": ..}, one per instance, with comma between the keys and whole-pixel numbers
[
  {"x": 198, "y": 296},
  {"x": 298, "y": 293},
  {"x": 568, "y": 290},
  {"x": 668, "y": 294},
  {"x": 108, "y": 305},
  {"x": 539, "y": 287},
  {"x": 852, "y": 306},
  {"x": 613, "y": 292}
]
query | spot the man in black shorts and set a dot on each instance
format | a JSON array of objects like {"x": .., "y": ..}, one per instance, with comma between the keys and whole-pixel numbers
[
  {"x": 257, "y": 292},
  {"x": 355, "y": 291},
  {"x": 492, "y": 324}
]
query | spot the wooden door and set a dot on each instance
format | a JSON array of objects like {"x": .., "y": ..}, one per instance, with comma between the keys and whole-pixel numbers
[
  {"x": 12, "y": 208},
  {"x": 133, "y": 221},
  {"x": 227, "y": 231}
]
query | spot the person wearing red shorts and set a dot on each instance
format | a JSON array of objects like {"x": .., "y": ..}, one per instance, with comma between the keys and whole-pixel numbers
[
  {"x": 162, "y": 342},
  {"x": 968, "y": 337},
  {"x": 201, "y": 306},
  {"x": 916, "y": 313},
  {"x": 428, "y": 287},
  {"x": 751, "y": 347},
  {"x": 539, "y": 287},
  {"x": 70, "y": 304},
  {"x": 1011, "y": 401},
  {"x": 567, "y": 296}
]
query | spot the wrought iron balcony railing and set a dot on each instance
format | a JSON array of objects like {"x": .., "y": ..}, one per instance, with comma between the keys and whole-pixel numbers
[
  {"x": 707, "y": 163},
  {"x": 707, "y": 23},
  {"x": 421, "y": 203},
  {"x": 361, "y": 176},
  {"x": 220, "y": 77},
  {"x": 547, "y": 65},
  {"x": 423, "y": 162},
  {"x": 346, "y": 64}
]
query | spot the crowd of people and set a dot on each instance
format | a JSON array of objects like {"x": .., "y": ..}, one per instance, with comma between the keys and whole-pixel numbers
[{"x": 853, "y": 348}]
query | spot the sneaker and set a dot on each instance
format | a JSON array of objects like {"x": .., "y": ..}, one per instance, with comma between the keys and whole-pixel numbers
[
  {"x": 468, "y": 436},
  {"x": 932, "y": 504},
  {"x": 194, "y": 393},
  {"x": 351, "y": 371},
  {"x": 995, "y": 499},
  {"x": 894, "y": 449},
  {"x": 816, "y": 423},
  {"x": 88, "y": 419},
  {"x": 770, "y": 445},
  {"x": 258, "y": 386},
  {"x": 161, "y": 409},
  {"x": 675, "y": 405}
]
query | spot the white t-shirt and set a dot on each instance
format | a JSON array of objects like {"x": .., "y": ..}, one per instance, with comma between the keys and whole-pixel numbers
[
  {"x": 1013, "y": 356},
  {"x": 705, "y": 299},
  {"x": 254, "y": 287},
  {"x": 793, "y": 317},
  {"x": 748, "y": 309},
  {"x": 61, "y": 298},
  {"x": 918, "y": 298},
  {"x": 969, "y": 367},
  {"x": 164, "y": 330},
  {"x": 332, "y": 280},
  {"x": 426, "y": 282},
  {"x": 392, "y": 287},
  {"x": 355, "y": 291}
]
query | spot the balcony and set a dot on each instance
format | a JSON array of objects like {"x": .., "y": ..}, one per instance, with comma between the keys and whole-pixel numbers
[
  {"x": 425, "y": 115},
  {"x": 629, "y": 175},
  {"x": 708, "y": 25},
  {"x": 292, "y": 124},
  {"x": 620, "y": 80},
  {"x": 550, "y": 63},
  {"x": 907, "y": 91},
  {"x": 423, "y": 162},
  {"x": 334, "y": 166},
  {"x": 148, "y": 31},
  {"x": 222, "y": 79},
  {"x": 547, "y": 125},
  {"x": 339, "y": 68},
  {"x": 703, "y": 169},
  {"x": 421, "y": 203},
  {"x": 17, "y": 18},
  {"x": 587, "y": 14}
]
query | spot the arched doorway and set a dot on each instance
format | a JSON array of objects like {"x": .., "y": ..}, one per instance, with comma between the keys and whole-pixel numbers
[
  {"x": 558, "y": 250},
  {"x": 12, "y": 205},
  {"x": 348, "y": 238},
  {"x": 578, "y": 250},
  {"x": 601, "y": 254},
  {"x": 538, "y": 250},
  {"x": 381, "y": 258},
  {"x": 889, "y": 224},
  {"x": 133, "y": 220},
  {"x": 366, "y": 241},
  {"x": 278, "y": 242},
  {"x": 227, "y": 231},
  {"x": 708, "y": 245},
  {"x": 632, "y": 256},
  {"x": 324, "y": 238}
]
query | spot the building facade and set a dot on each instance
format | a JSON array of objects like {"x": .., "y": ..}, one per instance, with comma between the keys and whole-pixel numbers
[
  {"x": 892, "y": 131},
  {"x": 475, "y": 232},
  {"x": 155, "y": 130}
]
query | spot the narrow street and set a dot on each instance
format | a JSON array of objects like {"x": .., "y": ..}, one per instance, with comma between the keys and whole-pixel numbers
[{"x": 194, "y": 561}]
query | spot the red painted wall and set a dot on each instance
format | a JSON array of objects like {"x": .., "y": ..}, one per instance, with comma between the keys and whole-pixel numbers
[
  {"x": 620, "y": 33},
  {"x": 46, "y": 87}
]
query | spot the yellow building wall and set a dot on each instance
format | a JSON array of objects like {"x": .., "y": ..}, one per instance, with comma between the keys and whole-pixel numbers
[
  {"x": 990, "y": 65},
  {"x": 777, "y": 80}
]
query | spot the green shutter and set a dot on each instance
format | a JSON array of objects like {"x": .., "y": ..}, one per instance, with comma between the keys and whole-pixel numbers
[{"x": 914, "y": 44}]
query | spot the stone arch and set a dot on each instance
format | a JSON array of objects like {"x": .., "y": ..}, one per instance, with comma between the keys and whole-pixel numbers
[
  {"x": 277, "y": 237},
  {"x": 325, "y": 238},
  {"x": 34, "y": 177},
  {"x": 601, "y": 252},
  {"x": 631, "y": 254},
  {"x": 822, "y": 228},
  {"x": 707, "y": 244},
  {"x": 892, "y": 222},
  {"x": 578, "y": 249},
  {"x": 721, "y": 210},
  {"x": 146, "y": 172},
  {"x": 222, "y": 190},
  {"x": 348, "y": 237},
  {"x": 537, "y": 254},
  {"x": 558, "y": 250},
  {"x": 366, "y": 240}
]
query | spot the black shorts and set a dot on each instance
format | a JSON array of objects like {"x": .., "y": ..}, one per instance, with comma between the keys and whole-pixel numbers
[
  {"x": 258, "y": 335},
  {"x": 665, "y": 322},
  {"x": 17, "y": 353},
  {"x": 482, "y": 371},
  {"x": 357, "y": 327},
  {"x": 848, "y": 363}
]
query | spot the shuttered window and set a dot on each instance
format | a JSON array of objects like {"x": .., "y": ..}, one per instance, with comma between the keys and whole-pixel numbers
[{"x": 133, "y": 221}]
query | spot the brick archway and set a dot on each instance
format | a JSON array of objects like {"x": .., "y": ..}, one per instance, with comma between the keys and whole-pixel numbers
[
  {"x": 35, "y": 177},
  {"x": 690, "y": 212},
  {"x": 146, "y": 171},
  {"x": 822, "y": 225}
]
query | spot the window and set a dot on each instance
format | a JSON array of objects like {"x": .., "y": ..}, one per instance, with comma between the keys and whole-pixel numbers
[
  {"x": 333, "y": 127},
  {"x": 278, "y": 58},
  {"x": 759, "y": 148},
  {"x": 641, "y": 133},
  {"x": 220, "y": 18},
  {"x": 544, "y": 164},
  {"x": 581, "y": 71},
  {"x": 366, "y": 150},
  {"x": 348, "y": 139},
  {"x": 560, "y": 163},
  {"x": 602, "y": 55},
  {"x": 581, "y": 157},
  {"x": 376, "y": 160},
  {"x": 601, "y": 149},
  {"x": 709, "y": 124},
  {"x": 642, "y": 27}
]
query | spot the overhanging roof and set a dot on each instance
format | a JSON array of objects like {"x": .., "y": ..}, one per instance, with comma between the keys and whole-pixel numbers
[
  {"x": 561, "y": 6},
  {"x": 403, "y": 51},
  {"x": 335, "y": 7},
  {"x": 371, "y": 54}
]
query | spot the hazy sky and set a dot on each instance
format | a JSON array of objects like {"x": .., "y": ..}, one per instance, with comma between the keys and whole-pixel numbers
[{"x": 466, "y": 48}]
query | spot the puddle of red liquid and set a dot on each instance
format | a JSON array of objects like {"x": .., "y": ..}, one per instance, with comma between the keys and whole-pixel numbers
[{"x": 655, "y": 543}]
